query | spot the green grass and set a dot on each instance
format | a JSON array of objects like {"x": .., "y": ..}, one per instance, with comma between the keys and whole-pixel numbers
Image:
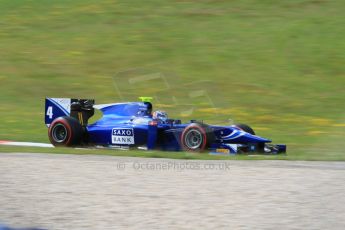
[
  {"x": 276, "y": 65},
  {"x": 172, "y": 155}
]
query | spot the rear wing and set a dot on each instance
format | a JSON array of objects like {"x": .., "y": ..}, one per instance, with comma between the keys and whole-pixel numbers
[{"x": 81, "y": 109}]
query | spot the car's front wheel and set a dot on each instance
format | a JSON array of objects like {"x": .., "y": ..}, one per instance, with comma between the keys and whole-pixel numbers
[{"x": 195, "y": 137}]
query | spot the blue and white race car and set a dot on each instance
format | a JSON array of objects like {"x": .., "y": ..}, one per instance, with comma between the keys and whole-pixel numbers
[{"x": 132, "y": 124}]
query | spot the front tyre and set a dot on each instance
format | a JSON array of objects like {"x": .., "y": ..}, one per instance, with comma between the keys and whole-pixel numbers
[
  {"x": 195, "y": 138},
  {"x": 65, "y": 131}
]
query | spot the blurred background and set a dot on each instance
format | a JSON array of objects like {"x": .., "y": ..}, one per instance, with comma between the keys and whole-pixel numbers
[{"x": 276, "y": 65}]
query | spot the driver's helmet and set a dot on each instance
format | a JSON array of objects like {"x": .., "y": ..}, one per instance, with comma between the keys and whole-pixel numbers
[{"x": 160, "y": 116}]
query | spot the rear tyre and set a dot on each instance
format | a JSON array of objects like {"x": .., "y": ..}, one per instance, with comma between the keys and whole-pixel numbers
[
  {"x": 65, "y": 131},
  {"x": 245, "y": 128},
  {"x": 196, "y": 137}
]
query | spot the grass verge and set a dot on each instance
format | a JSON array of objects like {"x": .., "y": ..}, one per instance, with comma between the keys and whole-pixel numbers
[{"x": 161, "y": 154}]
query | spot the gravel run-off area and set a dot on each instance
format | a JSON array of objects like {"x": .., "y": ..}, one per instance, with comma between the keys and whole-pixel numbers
[{"x": 58, "y": 191}]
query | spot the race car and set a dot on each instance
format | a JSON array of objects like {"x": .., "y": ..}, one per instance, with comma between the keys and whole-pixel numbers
[{"x": 134, "y": 125}]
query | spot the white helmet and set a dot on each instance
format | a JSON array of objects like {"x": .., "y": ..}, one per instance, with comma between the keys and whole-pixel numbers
[{"x": 160, "y": 115}]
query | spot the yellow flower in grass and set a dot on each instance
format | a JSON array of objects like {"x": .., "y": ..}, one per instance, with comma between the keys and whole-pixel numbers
[
  {"x": 316, "y": 132},
  {"x": 266, "y": 118},
  {"x": 209, "y": 110},
  {"x": 321, "y": 121},
  {"x": 262, "y": 128},
  {"x": 339, "y": 125}
]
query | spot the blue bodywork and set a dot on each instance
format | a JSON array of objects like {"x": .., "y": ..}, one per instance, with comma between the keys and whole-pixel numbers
[{"x": 131, "y": 124}]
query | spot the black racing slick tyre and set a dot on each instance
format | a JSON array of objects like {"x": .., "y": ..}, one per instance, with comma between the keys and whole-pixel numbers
[
  {"x": 245, "y": 128},
  {"x": 65, "y": 131},
  {"x": 196, "y": 137}
]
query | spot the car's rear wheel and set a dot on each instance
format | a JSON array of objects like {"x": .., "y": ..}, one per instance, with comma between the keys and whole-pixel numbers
[
  {"x": 196, "y": 137},
  {"x": 65, "y": 131},
  {"x": 245, "y": 128}
]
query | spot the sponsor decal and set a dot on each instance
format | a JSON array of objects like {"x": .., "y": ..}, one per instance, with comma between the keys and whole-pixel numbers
[
  {"x": 122, "y": 136},
  {"x": 224, "y": 151}
]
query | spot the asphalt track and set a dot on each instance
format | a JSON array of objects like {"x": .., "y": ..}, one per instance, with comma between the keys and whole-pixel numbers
[{"x": 101, "y": 192}]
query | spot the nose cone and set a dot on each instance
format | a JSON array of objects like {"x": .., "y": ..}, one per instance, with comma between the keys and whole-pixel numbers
[
  {"x": 253, "y": 138},
  {"x": 238, "y": 136}
]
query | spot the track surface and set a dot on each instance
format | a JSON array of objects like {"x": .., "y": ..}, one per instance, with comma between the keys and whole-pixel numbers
[{"x": 101, "y": 192}]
